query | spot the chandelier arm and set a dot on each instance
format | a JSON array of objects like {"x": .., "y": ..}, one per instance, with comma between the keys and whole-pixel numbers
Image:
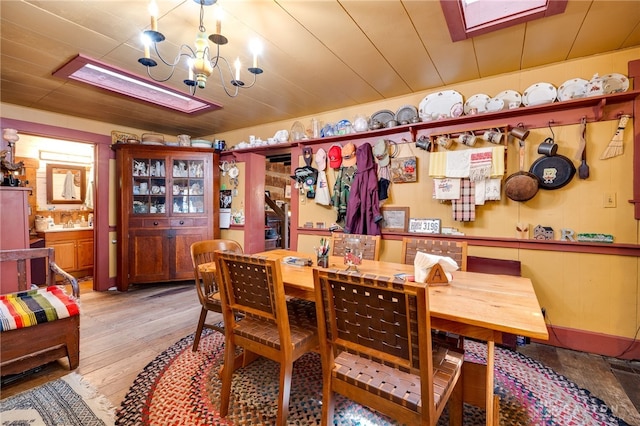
[
  {"x": 255, "y": 76},
  {"x": 229, "y": 93}
]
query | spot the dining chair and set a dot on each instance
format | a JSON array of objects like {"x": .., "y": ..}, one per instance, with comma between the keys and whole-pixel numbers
[
  {"x": 206, "y": 285},
  {"x": 274, "y": 326},
  {"x": 370, "y": 244},
  {"x": 376, "y": 349},
  {"x": 457, "y": 250}
]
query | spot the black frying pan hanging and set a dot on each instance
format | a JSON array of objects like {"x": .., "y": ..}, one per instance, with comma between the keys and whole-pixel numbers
[{"x": 554, "y": 171}]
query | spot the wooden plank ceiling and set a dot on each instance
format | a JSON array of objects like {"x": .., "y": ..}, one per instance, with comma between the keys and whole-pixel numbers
[{"x": 318, "y": 55}]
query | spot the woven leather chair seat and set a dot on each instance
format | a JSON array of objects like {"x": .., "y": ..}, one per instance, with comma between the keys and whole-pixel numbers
[
  {"x": 302, "y": 319},
  {"x": 398, "y": 386}
]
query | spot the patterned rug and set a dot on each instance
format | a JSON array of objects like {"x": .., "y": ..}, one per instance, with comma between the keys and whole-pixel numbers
[
  {"x": 68, "y": 401},
  {"x": 181, "y": 387}
]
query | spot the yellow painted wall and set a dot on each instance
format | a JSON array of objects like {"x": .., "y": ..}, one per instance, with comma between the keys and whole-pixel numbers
[
  {"x": 582, "y": 291},
  {"x": 596, "y": 293}
]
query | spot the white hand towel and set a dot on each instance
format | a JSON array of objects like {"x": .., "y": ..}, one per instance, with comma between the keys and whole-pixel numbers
[
  {"x": 446, "y": 189},
  {"x": 458, "y": 163}
]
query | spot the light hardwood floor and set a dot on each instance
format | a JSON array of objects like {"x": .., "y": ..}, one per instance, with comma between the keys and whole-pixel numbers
[{"x": 120, "y": 333}]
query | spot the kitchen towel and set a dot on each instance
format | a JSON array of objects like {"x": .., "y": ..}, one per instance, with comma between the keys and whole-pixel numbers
[
  {"x": 464, "y": 208},
  {"x": 446, "y": 189}
]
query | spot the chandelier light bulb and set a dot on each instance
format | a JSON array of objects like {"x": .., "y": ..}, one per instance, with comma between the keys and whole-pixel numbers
[
  {"x": 153, "y": 11},
  {"x": 255, "y": 46}
]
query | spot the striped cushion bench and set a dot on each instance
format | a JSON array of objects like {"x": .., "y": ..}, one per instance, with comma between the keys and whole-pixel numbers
[{"x": 33, "y": 307}]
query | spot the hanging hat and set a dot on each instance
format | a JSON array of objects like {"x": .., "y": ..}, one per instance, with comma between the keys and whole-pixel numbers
[
  {"x": 335, "y": 156},
  {"x": 349, "y": 155},
  {"x": 381, "y": 152},
  {"x": 321, "y": 159}
]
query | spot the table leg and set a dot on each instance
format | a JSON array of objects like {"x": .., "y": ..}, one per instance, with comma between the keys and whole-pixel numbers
[{"x": 492, "y": 417}]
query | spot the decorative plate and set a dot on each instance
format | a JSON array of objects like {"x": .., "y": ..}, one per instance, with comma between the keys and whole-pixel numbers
[
  {"x": 539, "y": 94},
  {"x": 437, "y": 104},
  {"x": 406, "y": 113},
  {"x": 494, "y": 105},
  {"x": 615, "y": 83},
  {"x": 151, "y": 143},
  {"x": 572, "y": 89},
  {"x": 479, "y": 102},
  {"x": 383, "y": 116},
  {"x": 456, "y": 110},
  {"x": 509, "y": 97},
  {"x": 201, "y": 143}
]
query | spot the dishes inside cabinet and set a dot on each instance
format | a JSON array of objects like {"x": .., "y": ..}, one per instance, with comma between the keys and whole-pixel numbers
[
  {"x": 614, "y": 83},
  {"x": 439, "y": 104},
  {"x": 539, "y": 94},
  {"x": 572, "y": 89},
  {"x": 476, "y": 102}
]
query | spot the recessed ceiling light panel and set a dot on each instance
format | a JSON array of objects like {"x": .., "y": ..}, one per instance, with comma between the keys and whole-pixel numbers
[{"x": 90, "y": 71}]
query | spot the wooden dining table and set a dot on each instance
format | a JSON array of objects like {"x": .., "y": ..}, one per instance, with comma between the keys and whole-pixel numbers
[{"x": 476, "y": 305}]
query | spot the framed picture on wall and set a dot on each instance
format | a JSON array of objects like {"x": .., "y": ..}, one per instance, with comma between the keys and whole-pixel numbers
[
  {"x": 395, "y": 219},
  {"x": 403, "y": 169}
]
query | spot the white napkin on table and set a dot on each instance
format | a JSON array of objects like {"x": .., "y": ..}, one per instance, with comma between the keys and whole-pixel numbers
[{"x": 423, "y": 263}]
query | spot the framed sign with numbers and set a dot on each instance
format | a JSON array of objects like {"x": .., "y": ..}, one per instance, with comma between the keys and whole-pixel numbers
[{"x": 424, "y": 226}]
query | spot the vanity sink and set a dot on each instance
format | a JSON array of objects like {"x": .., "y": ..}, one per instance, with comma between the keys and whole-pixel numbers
[{"x": 63, "y": 228}]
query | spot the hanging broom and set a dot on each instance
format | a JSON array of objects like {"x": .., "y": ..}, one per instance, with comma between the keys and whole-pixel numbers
[{"x": 615, "y": 147}]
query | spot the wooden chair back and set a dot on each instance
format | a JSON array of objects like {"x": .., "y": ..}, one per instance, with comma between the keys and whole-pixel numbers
[
  {"x": 370, "y": 244},
  {"x": 21, "y": 256},
  {"x": 457, "y": 250},
  {"x": 376, "y": 347},
  {"x": 206, "y": 285},
  {"x": 252, "y": 289}
]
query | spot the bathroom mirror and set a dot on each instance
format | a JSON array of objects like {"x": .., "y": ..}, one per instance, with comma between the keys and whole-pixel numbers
[{"x": 66, "y": 184}]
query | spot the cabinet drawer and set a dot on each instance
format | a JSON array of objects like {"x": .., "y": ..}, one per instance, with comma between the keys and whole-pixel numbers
[{"x": 198, "y": 221}]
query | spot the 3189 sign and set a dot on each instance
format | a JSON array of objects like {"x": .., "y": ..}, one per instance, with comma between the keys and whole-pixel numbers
[{"x": 424, "y": 226}]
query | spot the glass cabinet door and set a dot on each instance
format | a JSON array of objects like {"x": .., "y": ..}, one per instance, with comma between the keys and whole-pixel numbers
[
  {"x": 149, "y": 186},
  {"x": 188, "y": 186}
]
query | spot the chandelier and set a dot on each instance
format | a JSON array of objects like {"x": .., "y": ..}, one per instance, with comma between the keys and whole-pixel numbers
[{"x": 201, "y": 61}]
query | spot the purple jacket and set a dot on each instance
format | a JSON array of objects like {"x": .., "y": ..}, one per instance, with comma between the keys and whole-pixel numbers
[{"x": 363, "y": 210}]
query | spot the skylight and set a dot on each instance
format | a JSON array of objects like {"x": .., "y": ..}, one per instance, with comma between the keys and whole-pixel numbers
[
  {"x": 91, "y": 71},
  {"x": 469, "y": 18}
]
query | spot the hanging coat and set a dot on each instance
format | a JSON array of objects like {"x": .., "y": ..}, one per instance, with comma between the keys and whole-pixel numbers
[{"x": 363, "y": 209}]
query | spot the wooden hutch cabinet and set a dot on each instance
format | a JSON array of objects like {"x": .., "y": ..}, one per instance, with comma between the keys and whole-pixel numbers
[{"x": 168, "y": 199}]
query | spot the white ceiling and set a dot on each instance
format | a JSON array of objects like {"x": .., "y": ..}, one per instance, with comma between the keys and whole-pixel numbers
[{"x": 318, "y": 55}]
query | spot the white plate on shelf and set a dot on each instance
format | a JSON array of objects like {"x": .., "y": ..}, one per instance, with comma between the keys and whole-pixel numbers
[
  {"x": 539, "y": 94},
  {"x": 437, "y": 104},
  {"x": 494, "y": 105},
  {"x": 510, "y": 97},
  {"x": 615, "y": 83},
  {"x": 151, "y": 143},
  {"x": 572, "y": 89},
  {"x": 479, "y": 102}
]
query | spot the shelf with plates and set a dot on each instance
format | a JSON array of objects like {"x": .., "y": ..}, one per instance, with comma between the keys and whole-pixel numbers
[{"x": 596, "y": 108}]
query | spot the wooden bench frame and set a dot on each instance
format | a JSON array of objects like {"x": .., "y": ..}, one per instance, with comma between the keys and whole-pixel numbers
[{"x": 29, "y": 347}]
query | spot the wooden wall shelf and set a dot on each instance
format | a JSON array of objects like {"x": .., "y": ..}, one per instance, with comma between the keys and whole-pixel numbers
[{"x": 529, "y": 244}]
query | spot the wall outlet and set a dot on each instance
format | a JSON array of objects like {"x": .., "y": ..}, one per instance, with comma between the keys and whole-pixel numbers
[{"x": 609, "y": 200}]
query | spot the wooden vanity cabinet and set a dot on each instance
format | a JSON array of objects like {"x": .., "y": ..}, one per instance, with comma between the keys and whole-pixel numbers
[
  {"x": 168, "y": 199},
  {"x": 73, "y": 250}
]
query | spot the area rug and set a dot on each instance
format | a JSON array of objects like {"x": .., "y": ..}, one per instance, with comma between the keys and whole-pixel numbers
[
  {"x": 68, "y": 401},
  {"x": 181, "y": 387}
]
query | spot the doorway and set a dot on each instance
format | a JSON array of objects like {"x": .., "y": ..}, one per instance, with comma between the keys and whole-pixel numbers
[{"x": 277, "y": 199}]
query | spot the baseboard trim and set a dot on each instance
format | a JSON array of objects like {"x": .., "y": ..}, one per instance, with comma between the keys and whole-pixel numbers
[{"x": 597, "y": 343}]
